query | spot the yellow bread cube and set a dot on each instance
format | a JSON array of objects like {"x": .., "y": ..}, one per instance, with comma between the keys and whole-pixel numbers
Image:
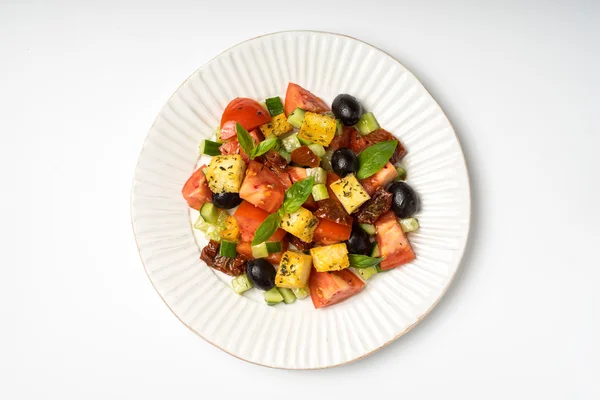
[
  {"x": 278, "y": 125},
  {"x": 330, "y": 258},
  {"x": 350, "y": 193},
  {"x": 294, "y": 270},
  {"x": 225, "y": 173},
  {"x": 301, "y": 223},
  {"x": 318, "y": 128}
]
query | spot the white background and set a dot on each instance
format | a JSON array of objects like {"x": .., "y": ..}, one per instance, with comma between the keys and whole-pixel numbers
[{"x": 80, "y": 86}]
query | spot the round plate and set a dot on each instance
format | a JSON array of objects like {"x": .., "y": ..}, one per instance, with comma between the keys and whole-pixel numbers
[{"x": 297, "y": 336}]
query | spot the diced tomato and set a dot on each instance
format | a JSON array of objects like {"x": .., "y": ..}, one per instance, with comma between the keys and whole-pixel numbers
[
  {"x": 328, "y": 232},
  {"x": 233, "y": 146},
  {"x": 392, "y": 241},
  {"x": 381, "y": 178},
  {"x": 228, "y": 131},
  {"x": 249, "y": 219},
  {"x": 262, "y": 188},
  {"x": 297, "y": 173},
  {"x": 247, "y": 112},
  {"x": 284, "y": 178},
  {"x": 196, "y": 191},
  {"x": 245, "y": 250},
  {"x": 358, "y": 143},
  {"x": 327, "y": 288},
  {"x": 298, "y": 97}
]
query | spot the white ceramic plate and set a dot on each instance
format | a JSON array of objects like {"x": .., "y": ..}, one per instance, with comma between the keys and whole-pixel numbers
[{"x": 297, "y": 336}]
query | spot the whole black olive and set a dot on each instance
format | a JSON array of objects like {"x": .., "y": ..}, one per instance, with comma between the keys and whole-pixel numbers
[
  {"x": 405, "y": 201},
  {"x": 344, "y": 162},
  {"x": 359, "y": 242},
  {"x": 261, "y": 273},
  {"x": 226, "y": 200},
  {"x": 347, "y": 109}
]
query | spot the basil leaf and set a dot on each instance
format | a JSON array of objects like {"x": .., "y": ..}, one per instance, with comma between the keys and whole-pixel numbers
[
  {"x": 297, "y": 194},
  {"x": 246, "y": 141},
  {"x": 360, "y": 261},
  {"x": 263, "y": 147},
  {"x": 266, "y": 229},
  {"x": 373, "y": 158}
]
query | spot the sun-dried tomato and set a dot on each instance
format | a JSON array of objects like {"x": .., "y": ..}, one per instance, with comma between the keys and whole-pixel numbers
[
  {"x": 333, "y": 211},
  {"x": 230, "y": 266},
  {"x": 379, "y": 204},
  {"x": 358, "y": 143},
  {"x": 305, "y": 157},
  {"x": 342, "y": 141},
  {"x": 273, "y": 160},
  {"x": 209, "y": 252},
  {"x": 302, "y": 246}
]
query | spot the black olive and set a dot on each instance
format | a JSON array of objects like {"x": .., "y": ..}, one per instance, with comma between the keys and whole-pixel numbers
[
  {"x": 347, "y": 109},
  {"x": 405, "y": 201},
  {"x": 359, "y": 242},
  {"x": 226, "y": 200},
  {"x": 261, "y": 273},
  {"x": 344, "y": 162}
]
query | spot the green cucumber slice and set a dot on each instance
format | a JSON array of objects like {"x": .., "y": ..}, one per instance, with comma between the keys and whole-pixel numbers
[
  {"x": 409, "y": 224},
  {"x": 401, "y": 173},
  {"x": 291, "y": 143},
  {"x": 274, "y": 106},
  {"x": 366, "y": 273},
  {"x": 210, "y": 148},
  {"x": 367, "y": 123},
  {"x": 273, "y": 296},
  {"x": 288, "y": 296},
  {"x": 304, "y": 142},
  {"x": 320, "y": 192},
  {"x": 375, "y": 252},
  {"x": 301, "y": 293},
  {"x": 241, "y": 283},
  {"x": 318, "y": 149},
  {"x": 318, "y": 173},
  {"x": 228, "y": 249},
  {"x": 209, "y": 213},
  {"x": 260, "y": 251},
  {"x": 296, "y": 118},
  {"x": 273, "y": 247},
  {"x": 368, "y": 228}
]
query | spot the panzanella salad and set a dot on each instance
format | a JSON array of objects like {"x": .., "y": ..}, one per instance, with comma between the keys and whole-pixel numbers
[{"x": 302, "y": 199}]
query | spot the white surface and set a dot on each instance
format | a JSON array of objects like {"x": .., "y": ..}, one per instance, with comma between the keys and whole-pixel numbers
[
  {"x": 79, "y": 88},
  {"x": 296, "y": 336}
]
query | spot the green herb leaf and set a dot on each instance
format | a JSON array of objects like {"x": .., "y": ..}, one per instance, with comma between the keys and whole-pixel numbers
[
  {"x": 373, "y": 158},
  {"x": 360, "y": 261},
  {"x": 246, "y": 141},
  {"x": 266, "y": 229},
  {"x": 263, "y": 147},
  {"x": 297, "y": 194}
]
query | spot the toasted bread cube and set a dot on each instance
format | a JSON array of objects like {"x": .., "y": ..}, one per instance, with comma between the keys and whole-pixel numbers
[
  {"x": 318, "y": 128},
  {"x": 294, "y": 270},
  {"x": 350, "y": 193},
  {"x": 330, "y": 258},
  {"x": 301, "y": 223},
  {"x": 278, "y": 125},
  {"x": 225, "y": 173}
]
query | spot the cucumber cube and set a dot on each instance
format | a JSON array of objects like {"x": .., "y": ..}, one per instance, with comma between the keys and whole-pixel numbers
[
  {"x": 319, "y": 192},
  {"x": 273, "y": 296},
  {"x": 241, "y": 283}
]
